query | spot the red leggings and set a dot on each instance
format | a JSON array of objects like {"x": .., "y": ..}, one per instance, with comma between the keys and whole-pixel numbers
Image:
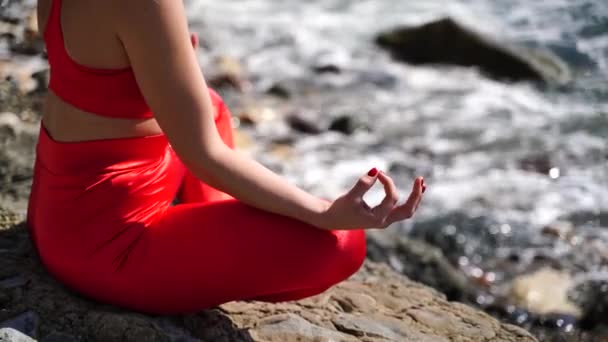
[{"x": 100, "y": 215}]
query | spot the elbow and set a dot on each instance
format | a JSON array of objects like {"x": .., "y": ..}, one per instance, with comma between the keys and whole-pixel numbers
[{"x": 200, "y": 158}]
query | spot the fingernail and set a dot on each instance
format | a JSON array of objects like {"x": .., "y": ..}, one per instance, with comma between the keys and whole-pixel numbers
[
  {"x": 423, "y": 188},
  {"x": 373, "y": 172}
]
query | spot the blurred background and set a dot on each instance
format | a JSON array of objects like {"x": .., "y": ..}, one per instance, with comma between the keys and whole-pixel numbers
[{"x": 503, "y": 108}]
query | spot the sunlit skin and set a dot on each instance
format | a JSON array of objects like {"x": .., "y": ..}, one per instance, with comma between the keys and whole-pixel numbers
[{"x": 152, "y": 38}]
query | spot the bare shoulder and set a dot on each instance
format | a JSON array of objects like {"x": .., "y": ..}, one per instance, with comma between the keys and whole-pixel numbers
[
  {"x": 149, "y": 12},
  {"x": 155, "y": 36}
]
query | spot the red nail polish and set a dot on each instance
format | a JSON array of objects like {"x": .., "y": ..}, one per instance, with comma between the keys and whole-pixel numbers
[
  {"x": 423, "y": 188},
  {"x": 373, "y": 172}
]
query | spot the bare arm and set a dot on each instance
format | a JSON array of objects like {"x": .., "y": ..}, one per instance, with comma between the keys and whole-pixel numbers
[{"x": 156, "y": 38}]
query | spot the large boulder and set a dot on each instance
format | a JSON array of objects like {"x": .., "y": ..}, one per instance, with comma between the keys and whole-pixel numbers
[
  {"x": 445, "y": 41},
  {"x": 376, "y": 304}
]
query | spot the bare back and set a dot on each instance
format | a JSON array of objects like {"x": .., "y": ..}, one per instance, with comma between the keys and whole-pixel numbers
[{"x": 90, "y": 40}]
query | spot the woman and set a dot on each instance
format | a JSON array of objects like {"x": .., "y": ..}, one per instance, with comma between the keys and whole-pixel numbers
[{"x": 107, "y": 171}]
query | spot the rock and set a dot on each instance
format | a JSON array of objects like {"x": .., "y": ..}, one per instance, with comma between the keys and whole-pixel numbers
[
  {"x": 12, "y": 99},
  {"x": 4, "y": 297},
  {"x": 290, "y": 327},
  {"x": 215, "y": 325},
  {"x": 228, "y": 72},
  {"x": 384, "y": 328},
  {"x": 105, "y": 326},
  {"x": 59, "y": 337},
  {"x": 447, "y": 42},
  {"x": 254, "y": 115},
  {"x": 242, "y": 141},
  {"x": 26, "y": 323},
  {"x": 304, "y": 123},
  {"x": 327, "y": 69},
  {"x": 376, "y": 304},
  {"x": 559, "y": 229},
  {"x": 531, "y": 291},
  {"x": 459, "y": 234},
  {"x": 541, "y": 163},
  {"x": 592, "y": 297},
  {"x": 380, "y": 78},
  {"x": 12, "y": 335},
  {"x": 281, "y": 151},
  {"x": 31, "y": 42},
  {"x": 279, "y": 91},
  {"x": 13, "y": 282},
  {"x": 344, "y": 124},
  {"x": 9, "y": 219},
  {"x": 21, "y": 71},
  {"x": 427, "y": 264}
]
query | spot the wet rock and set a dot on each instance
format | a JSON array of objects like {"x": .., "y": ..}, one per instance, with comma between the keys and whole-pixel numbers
[
  {"x": 531, "y": 291},
  {"x": 26, "y": 323},
  {"x": 559, "y": 322},
  {"x": 447, "y": 42},
  {"x": 376, "y": 304},
  {"x": 380, "y": 78},
  {"x": 598, "y": 219},
  {"x": 303, "y": 123},
  {"x": 345, "y": 124},
  {"x": 327, "y": 69},
  {"x": 475, "y": 237},
  {"x": 427, "y": 264},
  {"x": 592, "y": 297},
  {"x": 12, "y": 335},
  {"x": 279, "y": 91},
  {"x": 559, "y": 229},
  {"x": 542, "y": 163}
]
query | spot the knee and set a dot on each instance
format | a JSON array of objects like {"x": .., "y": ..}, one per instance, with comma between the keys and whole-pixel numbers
[{"x": 351, "y": 250}]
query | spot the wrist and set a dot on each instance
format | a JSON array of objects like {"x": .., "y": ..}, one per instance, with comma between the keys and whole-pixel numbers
[{"x": 318, "y": 215}]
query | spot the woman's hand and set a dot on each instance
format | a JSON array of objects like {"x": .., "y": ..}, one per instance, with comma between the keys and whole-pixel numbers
[{"x": 350, "y": 211}]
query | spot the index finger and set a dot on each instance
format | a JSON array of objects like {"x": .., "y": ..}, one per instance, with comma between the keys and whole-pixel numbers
[
  {"x": 407, "y": 209},
  {"x": 391, "y": 197}
]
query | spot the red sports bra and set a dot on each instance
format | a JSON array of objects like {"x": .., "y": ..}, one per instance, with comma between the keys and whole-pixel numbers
[{"x": 107, "y": 92}]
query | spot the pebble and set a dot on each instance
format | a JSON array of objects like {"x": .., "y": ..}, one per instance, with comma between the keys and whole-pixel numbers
[
  {"x": 12, "y": 335},
  {"x": 26, "y": 323}
]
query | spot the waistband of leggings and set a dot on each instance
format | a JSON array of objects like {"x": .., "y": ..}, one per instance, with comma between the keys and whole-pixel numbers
[{"x": 68, "y": 157}]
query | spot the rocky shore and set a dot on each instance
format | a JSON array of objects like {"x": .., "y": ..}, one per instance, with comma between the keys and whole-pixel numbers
[{"x": 492, "y": 263}]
